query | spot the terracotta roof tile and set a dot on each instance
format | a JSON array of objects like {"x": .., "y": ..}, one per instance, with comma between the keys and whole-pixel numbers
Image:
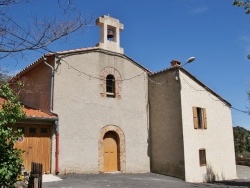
[{"x": 32, "y": 112}]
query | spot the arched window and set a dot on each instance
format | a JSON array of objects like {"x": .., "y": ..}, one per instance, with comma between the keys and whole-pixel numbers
[{"x": 110, "y": 85}]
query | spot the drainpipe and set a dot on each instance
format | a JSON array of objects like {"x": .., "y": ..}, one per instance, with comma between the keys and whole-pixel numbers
[{"x": 51, "y": 110}]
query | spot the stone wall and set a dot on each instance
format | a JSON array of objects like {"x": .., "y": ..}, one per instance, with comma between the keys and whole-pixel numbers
[{"x": 166, "y": 136}]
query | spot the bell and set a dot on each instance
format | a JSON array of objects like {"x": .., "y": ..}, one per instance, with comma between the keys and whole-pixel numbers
[{"x": 110, "y": 34}]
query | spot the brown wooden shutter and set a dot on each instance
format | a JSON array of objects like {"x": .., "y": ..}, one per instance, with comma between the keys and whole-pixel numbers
[
  {"x": 204, "y": 118},
  {"x": 195, "y": 118}
]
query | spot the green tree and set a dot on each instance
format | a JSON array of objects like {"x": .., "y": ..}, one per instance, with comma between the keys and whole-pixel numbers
[
  {"x": 241, "y": 140},
  {"x": 245, "y": 4},
  {"x": 10, "y": 160}
]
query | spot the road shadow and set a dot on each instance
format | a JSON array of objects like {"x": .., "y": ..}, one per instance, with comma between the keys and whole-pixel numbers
[{"x": 238, "y": 183}]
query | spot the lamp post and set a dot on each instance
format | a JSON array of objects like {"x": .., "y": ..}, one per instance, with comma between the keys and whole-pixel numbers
[{"x": 189, "y": 60}]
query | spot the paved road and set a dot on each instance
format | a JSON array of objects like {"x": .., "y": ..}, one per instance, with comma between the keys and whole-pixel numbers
[
  {"x": 243, "y": 172},
  {"x": 147, "y": 180}
]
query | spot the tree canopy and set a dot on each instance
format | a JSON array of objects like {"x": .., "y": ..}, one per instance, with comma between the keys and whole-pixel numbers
[
  {"x": 245, "y": 4},
  {"x": 241, "y": 140},
  {"x": 37, "y": 33},
  {"x": 10, "y": 160}
]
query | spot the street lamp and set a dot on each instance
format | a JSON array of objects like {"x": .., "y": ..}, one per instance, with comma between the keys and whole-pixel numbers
[{"x": 189, "y": 60}]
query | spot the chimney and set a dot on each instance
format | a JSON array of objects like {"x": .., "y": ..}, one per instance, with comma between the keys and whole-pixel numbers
[{"x": 175, "y": 63}]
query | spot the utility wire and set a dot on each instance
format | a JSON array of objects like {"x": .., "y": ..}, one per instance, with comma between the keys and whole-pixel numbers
[
  {"x": 61, "y": 58},
  {"x": 242, "y": 111},
  {"x": 95, "y": 77},
  {"x": 246, "y": 112},
  {"x": 81, "y": 72}
]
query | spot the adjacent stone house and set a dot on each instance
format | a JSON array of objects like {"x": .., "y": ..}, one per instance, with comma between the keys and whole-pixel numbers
[
  {"x": 190, "y": 128},
  {"x": 115, "y": 115}
]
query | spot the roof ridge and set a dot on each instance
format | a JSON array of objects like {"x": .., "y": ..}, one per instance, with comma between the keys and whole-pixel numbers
[{"x": 76, "y": 51}]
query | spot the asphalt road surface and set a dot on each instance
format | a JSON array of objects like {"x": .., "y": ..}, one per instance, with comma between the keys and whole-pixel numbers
[{"x": 146, "y": 180}]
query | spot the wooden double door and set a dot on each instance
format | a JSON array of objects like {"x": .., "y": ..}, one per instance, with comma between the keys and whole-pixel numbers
[
  {"x": 36, "y": 145},
  {"x": 111, "y": 152}
]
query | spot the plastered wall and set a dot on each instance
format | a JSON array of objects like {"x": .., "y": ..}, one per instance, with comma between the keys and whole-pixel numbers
[
  {"x": 166, "y": 137},
  {"x": 217, "y": 139},
  {"x": 84, "y": 111}
]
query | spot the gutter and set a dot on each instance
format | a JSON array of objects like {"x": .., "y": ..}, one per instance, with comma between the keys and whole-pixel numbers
[{"x": 51, "y": 110}]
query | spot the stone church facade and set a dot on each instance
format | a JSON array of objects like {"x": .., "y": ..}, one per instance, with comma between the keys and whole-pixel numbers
[{"x": 113, "y": 115}]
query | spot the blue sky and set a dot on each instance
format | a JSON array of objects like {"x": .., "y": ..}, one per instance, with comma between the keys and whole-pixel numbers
[{"x": 155, "y": 32}]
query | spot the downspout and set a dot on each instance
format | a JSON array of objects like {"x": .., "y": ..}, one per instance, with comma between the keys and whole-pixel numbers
[{"x": 51, "y": 110}]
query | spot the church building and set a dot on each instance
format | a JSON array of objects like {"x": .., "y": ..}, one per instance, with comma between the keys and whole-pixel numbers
[{"x": 111, "y": 114}]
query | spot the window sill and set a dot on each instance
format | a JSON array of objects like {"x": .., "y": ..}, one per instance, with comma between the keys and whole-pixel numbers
[
  {"x": 110, "y": 95},
  {"x": 201, "y": 165}
]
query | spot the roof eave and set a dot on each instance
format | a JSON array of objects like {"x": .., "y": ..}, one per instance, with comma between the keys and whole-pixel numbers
[
  {"x": 40, "y": 118},
  {"x": 196, "y": 80},
  {"x": 97, "y": 49},
  {"x": 81, "y": 50},
  {"x": 205, "y": 87},
  {"x": 28, "y": 68}
]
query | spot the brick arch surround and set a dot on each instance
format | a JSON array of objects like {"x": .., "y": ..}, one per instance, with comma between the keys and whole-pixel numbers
[
  {"x": 118, "y": 80},
  {"x": 121, "y": 153}
]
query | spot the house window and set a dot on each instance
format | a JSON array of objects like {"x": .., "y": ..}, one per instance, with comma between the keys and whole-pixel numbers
[
  {"x": 32, "y": 130},
  {"x": 200, "y": 118},
  {"x": 110, "y": 86},
  {"x": 44, "y": 130},
  {"x": 202, "y": 156}
]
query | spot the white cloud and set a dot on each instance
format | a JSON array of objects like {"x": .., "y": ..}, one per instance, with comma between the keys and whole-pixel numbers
[{"x": 198, "y": 10}]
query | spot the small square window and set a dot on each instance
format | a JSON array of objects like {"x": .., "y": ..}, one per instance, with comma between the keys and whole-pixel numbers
[
  {"x": 44, "y": 130},
  {"x": 202, "y": 156},
  {"x": 32, "y": 130}
]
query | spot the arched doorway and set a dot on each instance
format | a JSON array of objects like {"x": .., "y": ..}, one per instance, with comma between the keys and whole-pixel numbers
[
  {"x": 112, "y": 136},
  {"x": 111, "y": 152}
]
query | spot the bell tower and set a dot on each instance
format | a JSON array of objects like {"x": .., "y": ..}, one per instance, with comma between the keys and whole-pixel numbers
[{"x": 110, "y": 33}]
